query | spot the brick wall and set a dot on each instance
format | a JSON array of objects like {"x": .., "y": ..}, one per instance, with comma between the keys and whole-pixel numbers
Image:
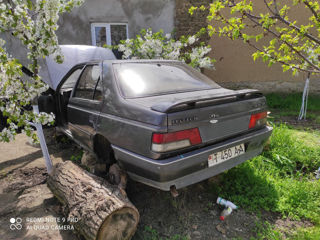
[{"x": 185, "y": 24}]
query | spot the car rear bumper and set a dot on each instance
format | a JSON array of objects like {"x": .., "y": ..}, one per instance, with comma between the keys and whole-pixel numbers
[{"x": 191, "y": 167}]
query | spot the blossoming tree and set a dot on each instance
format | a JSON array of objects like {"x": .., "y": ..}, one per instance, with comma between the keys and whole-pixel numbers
[
  {"x": 292, "y": 43},
  {"x": 295, "y": 46},
  {"x": 149, "y": 45},
  {"x": 34, "y": 24}
]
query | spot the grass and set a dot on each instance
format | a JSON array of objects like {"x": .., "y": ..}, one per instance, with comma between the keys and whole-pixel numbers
[
  {"x": 292, "y": 102},
  {"x": 308, "y": 234},
  {"x": 76, "y": 158},
  {"x": 280, "y": 180},
  {"x": 268, "y": 231},
  {"x": 315, "y": 116},
  {"x": 151, "y": 234},
  {"x": 288, "y": 105}
]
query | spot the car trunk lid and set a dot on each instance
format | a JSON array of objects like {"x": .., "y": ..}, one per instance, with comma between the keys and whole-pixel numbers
[
  {"x": 217, "y": 113},
  {"x": 217, "y": 122}
]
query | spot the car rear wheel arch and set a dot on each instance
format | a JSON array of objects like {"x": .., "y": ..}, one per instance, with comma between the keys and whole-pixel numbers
[{"x": 103, "y": 150}]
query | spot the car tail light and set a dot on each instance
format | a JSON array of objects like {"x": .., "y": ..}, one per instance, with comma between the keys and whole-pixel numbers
[
  {"x": 258, "y": 119},
  {"x": 164, "y": 142}
]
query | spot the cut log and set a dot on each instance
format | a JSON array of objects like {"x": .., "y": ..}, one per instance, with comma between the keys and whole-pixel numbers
[{"x": 101, "y": 210}]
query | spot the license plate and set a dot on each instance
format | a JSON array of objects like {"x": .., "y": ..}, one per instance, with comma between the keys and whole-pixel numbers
[{"x": 225, "y": 154}]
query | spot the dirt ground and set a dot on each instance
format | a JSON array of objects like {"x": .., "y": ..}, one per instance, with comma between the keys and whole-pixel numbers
[
  {"x": 27, "y": 203},
  {"x": 305, "y": 124}
]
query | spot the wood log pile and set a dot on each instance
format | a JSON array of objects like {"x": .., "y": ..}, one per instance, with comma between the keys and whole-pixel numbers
[{"x": 102, "y": 210}]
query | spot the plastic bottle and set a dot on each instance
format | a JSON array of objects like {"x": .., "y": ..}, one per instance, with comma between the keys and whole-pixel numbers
[
  {"x": 226, "y": 203},
  {"x": 225, "y": 213}
]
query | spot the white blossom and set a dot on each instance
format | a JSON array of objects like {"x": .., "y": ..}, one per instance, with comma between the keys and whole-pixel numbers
[
  {"x": 35, "y": 27},
  {"x": 192, "y": 40},
  {"x": 151, "y": 45}
]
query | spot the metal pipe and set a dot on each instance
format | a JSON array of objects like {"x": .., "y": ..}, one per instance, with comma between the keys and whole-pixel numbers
[{"x": 42, "y": 140}]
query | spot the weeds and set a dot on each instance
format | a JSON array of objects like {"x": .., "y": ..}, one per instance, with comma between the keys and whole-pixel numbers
[
  {"x": 281, "y": 179},
  {"x": 312, "y": 233},
  {"x": 266, "y": 231},
  {"x": 151, "y": 234},
  {"x": 3, "y": 174},
  {"x": 292, "y": 101},
  {"x": 292, "y": 152},
  {"x": 77, "y": 158}
]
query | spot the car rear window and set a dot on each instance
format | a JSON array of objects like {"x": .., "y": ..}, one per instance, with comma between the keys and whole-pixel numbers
[{"x": 150, "y": 79}]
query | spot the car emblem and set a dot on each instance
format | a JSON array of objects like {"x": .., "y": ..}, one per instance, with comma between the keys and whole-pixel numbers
[{"x": 213, "y": 121}]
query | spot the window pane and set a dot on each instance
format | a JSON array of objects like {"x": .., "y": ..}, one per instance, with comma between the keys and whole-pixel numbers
[
  {"x": 98, "y": 92},
  {"x": 71, "y": 81},
  {"x": 88, "y": 82},
  {"x": 149, "y": 79},
  {"x": 118, "y": 32},
  {"x": 101, "y": 38}
]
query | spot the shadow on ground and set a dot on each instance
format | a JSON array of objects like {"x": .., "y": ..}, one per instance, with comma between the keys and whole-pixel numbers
[
  {"x": 194, "y": 214},
  {"x": 24, "y": 193},
  {"x": 33, "y": 203},
  {"x": 30, "y": 156}
]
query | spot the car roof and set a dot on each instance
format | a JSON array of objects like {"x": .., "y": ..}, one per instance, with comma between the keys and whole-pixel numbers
[
  {"x": 142, "y": 61},
  {"x": 73, "y": 55}
]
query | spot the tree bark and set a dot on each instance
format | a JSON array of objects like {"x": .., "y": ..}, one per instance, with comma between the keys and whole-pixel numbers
[{"x": 103, "y": 212}]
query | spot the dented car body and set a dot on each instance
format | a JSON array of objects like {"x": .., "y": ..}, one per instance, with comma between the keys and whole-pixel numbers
[{"x": 163, "y": 122}]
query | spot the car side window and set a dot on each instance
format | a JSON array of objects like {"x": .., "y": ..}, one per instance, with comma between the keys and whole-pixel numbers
[
  {"x": 98, "y": 91},
  {"x": 88, "y": 83},
  {"x": 71, "y": 81}
]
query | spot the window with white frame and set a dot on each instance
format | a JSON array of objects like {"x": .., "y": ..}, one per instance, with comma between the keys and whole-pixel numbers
[{"x": 108, "y": 33}]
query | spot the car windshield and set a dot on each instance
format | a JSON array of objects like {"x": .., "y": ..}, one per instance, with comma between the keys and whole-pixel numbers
[{"x": 159, "y": 78}]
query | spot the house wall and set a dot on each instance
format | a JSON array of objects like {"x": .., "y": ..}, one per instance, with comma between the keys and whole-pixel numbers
[
  {"x": 235, "y": 67},
  {"x": 75, "y": 27},
  {"x": 185, "y": 23}
]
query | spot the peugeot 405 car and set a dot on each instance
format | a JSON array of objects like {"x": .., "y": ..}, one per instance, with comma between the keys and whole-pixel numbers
[{"x": 165, "y": 123}]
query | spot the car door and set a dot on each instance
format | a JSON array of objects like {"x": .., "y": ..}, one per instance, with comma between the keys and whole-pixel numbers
[
  {"x": 85, "y": 105},
  {"x": 64, "y": 94}
]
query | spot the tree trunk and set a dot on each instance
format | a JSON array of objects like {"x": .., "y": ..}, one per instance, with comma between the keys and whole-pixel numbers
[{"x": 102, "y": 211}]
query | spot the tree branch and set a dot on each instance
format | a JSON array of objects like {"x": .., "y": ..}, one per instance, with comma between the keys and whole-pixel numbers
[
  {"x": 283, "y": 41},
  {"x": 276, "y": 15},
  {"x": 269, "y": 8},
  {"x": 223, "y": 19},
  {"x": 312, "y": 10},
  {"x": 290, "y": 24},
  {"x": 276, "y": 60}
]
